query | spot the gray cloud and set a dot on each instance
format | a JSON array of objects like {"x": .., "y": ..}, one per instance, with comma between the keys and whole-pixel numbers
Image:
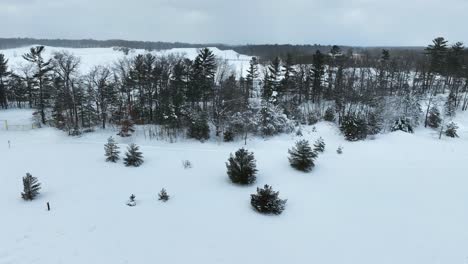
[{"x": 352, "y": 22}]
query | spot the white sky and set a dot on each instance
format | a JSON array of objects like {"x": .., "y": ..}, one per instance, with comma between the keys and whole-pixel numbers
[{"x": 343, "y": 22}]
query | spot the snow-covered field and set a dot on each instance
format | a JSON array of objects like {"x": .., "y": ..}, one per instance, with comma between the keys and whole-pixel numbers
[
  {"x": 400, "y": 198},
  {"x": 91, "y": 57}
]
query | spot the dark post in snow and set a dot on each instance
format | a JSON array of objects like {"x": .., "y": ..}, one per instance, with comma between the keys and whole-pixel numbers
[
  {"x": 48, "y": 206},
  {"x": 9, "y": 145}
]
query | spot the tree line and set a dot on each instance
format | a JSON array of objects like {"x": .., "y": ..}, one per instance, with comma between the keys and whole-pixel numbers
[{"x": 362, "y": 92}]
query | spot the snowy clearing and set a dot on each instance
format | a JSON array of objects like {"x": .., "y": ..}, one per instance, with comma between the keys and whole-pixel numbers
[
  {"x": 400, "y": 198},
  {"x": 91, "y": 57}
]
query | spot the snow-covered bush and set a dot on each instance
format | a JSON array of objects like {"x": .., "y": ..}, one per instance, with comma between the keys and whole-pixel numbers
[
  {"x": 31, "y": 187},
  {"x": 313, "y": 118},
  {"x": 199, "y": 128},
  {"x": 111, "y": 150},
  {"x": 133, "y": 156},
  {"x": 451, "y": 130},
  {"x": 402, "y": 124},
  {"x": 186, "y": 164},
  {"x": 339, "y": 150},
  {"x": 131, "y": 200},
  {"x": 228, "y": 135},
  {"x": 163, "y": 196},
  {"x": 354, "y": 128},
  {"x": 301, "y": 156},
  {"x": 126, "y": 128},
  {"x": 434, "y": 118},
  {"x": 241, "y": 167},
  {"x": 374, "y": 123},
  {"x": 267, "y": 201},
  {"x": 273, "y": 121},
  {"x": 329, "y": 115}
]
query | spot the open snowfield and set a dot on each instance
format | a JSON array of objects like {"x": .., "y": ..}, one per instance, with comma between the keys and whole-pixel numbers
[
  {"x": 91, "y": 57},
  {"x": 398, "y": 199}
]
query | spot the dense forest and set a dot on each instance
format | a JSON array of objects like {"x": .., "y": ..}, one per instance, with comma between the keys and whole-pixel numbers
[{"x": 364, "y": 91}]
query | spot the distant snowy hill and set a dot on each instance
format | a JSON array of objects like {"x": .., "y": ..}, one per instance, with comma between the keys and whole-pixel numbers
[{"x": 91, "y": 57}]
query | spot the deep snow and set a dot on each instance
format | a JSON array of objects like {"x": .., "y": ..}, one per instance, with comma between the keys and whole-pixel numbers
[{"x": 400, "y": 198}]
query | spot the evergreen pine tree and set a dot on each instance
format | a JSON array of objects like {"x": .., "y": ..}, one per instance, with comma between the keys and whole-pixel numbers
[
  {"x": 451, "y": 130},
  {"x": 31, "y": 187},
  {"x": 339, "y": 150},
  {"x": 199, "y": 128},
  {"x": 228, "y": 135},
  {"x": 131, "y": 200},
  {"x": 354, "y": 128},
  {"x": 4, "y": 73},
  {"x": 252, "y": 75},
  {"x": 133, "y": 156},
  {"x": 112, "y": 150},
  {"x": 126, "y": 128},
  {"x": 329, "y": 115},
  {"x": 267, "y": 201},
  {"x": 163, "y": 196},
  {"x": 302, "y": 156},
  {"x": 434, "y": 119},
  {"x": 402, "y": 124},
  {"x": 451, "y": 105},
  {"x": 374, "y": 123},
  {"x": 42, "y": 76},
  {"x": 319, "y": 145},
  {"x": 241, "y": 167}
]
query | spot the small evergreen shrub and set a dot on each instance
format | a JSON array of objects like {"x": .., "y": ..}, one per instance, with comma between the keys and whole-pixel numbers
[
  {"x": 163, "y": 196},
  {"x": 301, "y": 156},
  {"x": 266, "y": 201},
  {"x": 31, "y": 187},
  {"x": 111, "y": 150},
  {"x": 451, "y": 130},
  {"x": 228, "y": 136},
  {"x": 186, "y": 164},
  {"x": 133, "y": 156},
  {"x": 354, "y": 128},
  {"x": 131, "y": 200},
  {"x": 339, "y": 150},
  {"x": 329, "y": 115},
  {"x": 241, "y": 167},
  {"x": 402, "y": 124},
  {"x": 434, "y": 119},
  {"x": 299, "y": 132},
  {"x": 319, "y": 145},
  {"x": 126, "y": 128},
  {"x": 75, "y": 132},
  {"x": 374, "y": 123},
  {"x": 199, "y": 128}
]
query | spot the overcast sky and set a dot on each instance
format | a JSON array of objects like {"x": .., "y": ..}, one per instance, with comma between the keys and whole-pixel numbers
[{"x": 343, "y": 22}]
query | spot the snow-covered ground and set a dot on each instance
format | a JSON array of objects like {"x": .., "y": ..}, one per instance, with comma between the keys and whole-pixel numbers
[
  {"x": 400, "y": 198},
  {"x": 91, "y": 57}
]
